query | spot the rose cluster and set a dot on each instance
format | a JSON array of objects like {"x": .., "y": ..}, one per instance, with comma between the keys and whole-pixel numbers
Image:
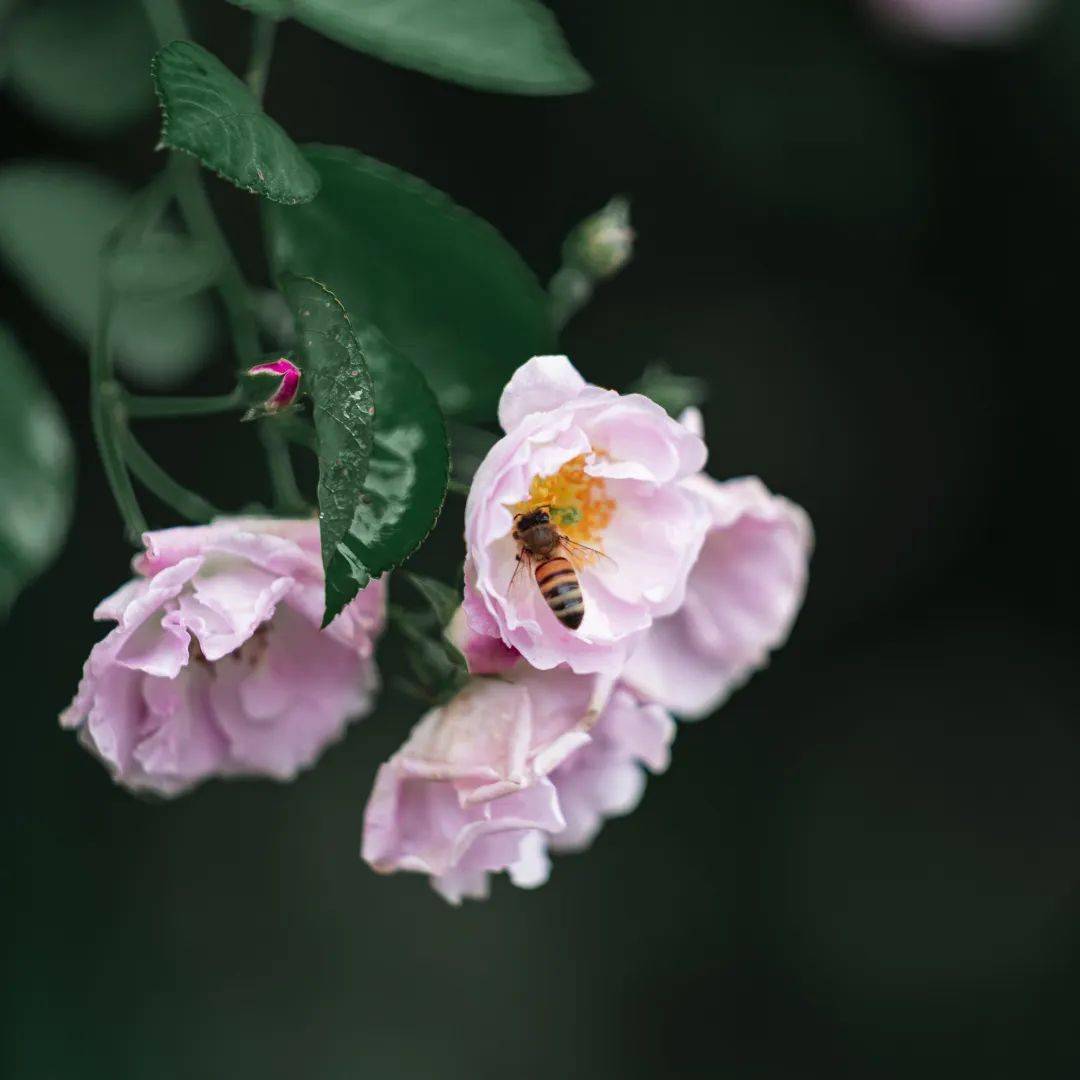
[{"x": 684, "y": 585}]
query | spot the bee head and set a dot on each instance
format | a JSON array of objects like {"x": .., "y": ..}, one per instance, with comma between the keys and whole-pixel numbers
[{"x": 540, "y": 516}]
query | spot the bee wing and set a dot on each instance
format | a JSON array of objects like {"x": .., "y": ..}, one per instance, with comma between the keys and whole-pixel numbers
[
  {"x": 523, "y": 559},
  {"x": 572, "y": 548}
]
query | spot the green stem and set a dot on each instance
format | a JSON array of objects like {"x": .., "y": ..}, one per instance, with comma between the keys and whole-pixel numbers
[
  {"x": 149, "y": 408},
  {"x": 298, "y": 431},
  {"x": 288, "y": 499},
  {"x": 107, "y": 416},
  {"x": 263, "y": 32},
  {"x": 167, "y": 19},
  {"x": 203, "y": 224},
  {"x": 184, "y": 501},
  {"x": 569, "y": 291}
]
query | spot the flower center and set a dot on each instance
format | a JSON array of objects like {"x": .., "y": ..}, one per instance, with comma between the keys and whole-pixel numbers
[{"x": 578, "y": 503}]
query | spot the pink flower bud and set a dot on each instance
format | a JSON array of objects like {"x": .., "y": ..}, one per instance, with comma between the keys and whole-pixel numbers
[{"x": 285, "y": 394}]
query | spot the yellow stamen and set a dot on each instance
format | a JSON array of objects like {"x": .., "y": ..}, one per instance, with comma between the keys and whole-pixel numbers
[{"x": 577, "y": 502}]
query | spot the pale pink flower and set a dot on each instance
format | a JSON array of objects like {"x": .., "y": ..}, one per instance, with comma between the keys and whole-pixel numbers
[
  {"x": 217, "y": 666},
  {"x": 486, "y": 782},
  {"x": 960, "y": 20},
  {"x": 742, "y": 597},
  {"x": 609, "y": 466},
  {"x": 484, "y": 654}
]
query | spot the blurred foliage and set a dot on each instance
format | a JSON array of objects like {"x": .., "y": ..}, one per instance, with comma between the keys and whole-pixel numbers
[
  {"x": 161, "y": 264},
  {"x": 209, "y": 113},
  {"x": 37, "y": 472},
  {"x": 54, "y": 221},
  {"x": 673, "y": 393},
  {"x": 468, "y": 447},
  {"x": 594, "y": 250},
  {"x": 78, "y": 65},
  {"x": 441, "y": 284},
  {"x": 438, "y": 669},
  {"x": 513, "y": 46},
  {"x": 789, "y": 107}
]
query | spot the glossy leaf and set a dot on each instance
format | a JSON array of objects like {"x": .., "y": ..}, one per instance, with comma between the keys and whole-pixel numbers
[
  {"x": 163, "y": 264},
  {"x": 209, "y": 113},
  {"x": 441, "y": 284},
  {"x": 37, "y": 472},
  {"x": 54, "y": 221},
  {"x": 513, "y": 46},
  {"x": 407, "y": 473},
  {"x": 81, "y": 66},
  {"x": 336, "y": 377}
]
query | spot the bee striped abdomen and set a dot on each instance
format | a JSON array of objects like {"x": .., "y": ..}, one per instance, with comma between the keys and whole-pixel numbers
[{"x": 559, "y": 586}]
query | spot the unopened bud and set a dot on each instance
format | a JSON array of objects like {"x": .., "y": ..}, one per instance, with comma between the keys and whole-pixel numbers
[
  {"x": 603, "y": 243},
  {"x": 285, "y": 394}
]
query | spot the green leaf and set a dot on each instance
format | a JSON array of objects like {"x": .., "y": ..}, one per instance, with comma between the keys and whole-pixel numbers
[
  {"x": 81, "y": 66},
  {"x": 440, "y": 283},
  {"x": 671, "y": 392},
  {"x": 54, "y": 221},
  {"x": 163, "y": 264},
  {"x": 209, "y": 113},
  {"x": 512, "y": 46},
  {"x": 407, "y": 474},
  {"x": 337, "y": 379},
  {"x": 441, "y": 598},
  {"x": 37, "y": 472},
  {"x": 437, "y": 665}
]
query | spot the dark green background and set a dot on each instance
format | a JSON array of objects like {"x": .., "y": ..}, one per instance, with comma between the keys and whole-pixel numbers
[{"x": 866, "y": 865}]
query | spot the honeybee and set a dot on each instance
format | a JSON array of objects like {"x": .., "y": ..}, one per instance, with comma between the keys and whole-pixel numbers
[{"x": 556, "y": 576}]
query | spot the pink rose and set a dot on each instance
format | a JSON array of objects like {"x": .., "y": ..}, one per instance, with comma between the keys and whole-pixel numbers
[
  {"x": 217, "y": 666},
  {"x": 485, "y": 782},
  {"x": 742, "y": 597},
  {"x": 484, "y": 654},
  {"x": 607, "y": 467}
]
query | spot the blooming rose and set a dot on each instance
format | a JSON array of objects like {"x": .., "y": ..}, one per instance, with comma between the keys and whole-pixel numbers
[
  {"x": 512, "y": 764},
  {"x": 608, "y": 467},
  {"x": 217, "y": 666},
  {"x": 742, "y": 597}
]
